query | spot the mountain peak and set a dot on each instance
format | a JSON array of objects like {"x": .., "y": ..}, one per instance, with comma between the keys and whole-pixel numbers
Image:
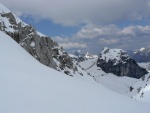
[
  {"x": 116, "y": 55},
  {"x": 142, "y": 49},
  {"x": 41, "y": 47},
  {"x": 118, "y": 62}
]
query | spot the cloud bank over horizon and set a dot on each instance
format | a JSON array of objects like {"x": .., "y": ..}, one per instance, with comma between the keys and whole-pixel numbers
[{"x": 93, "y": 38}]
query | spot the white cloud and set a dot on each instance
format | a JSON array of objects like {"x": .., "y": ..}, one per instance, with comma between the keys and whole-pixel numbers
[
  {"x": 127, "y": 31},
  {"x": 93, "y": 31},
  {"x": 112, "y": 31},
  {"x": 68, "y": 43},
  {"x": 106, "y": 42},
  {"x": 60, "y": 39},
  {"x": 74, "y": 12},
  {"x": 135, "y": 31},
  {"x": 96, "y": 37},
  {"x": 18, "y": 13},
  {"x": 72, "y": 45}
]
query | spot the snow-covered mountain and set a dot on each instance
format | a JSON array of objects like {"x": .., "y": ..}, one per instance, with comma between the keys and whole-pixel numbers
[
  {"x": 141, "y": 55},
  {"x": 80, "y": 56},
  {"x": 131, "y": 87},
  {"x": 78, "y": 53},
  {"x": 27, "y": 86},
  {"x": 120, "y": 84},
  {"x": 90, "y": 56},
  {"x": 41, "y": 47},
  {"x": 118, "y": 62},
  {"x": 117, "y": 84}
]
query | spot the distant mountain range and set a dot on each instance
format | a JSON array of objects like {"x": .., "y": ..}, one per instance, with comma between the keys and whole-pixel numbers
[
  {"x": 141, "y": 55},
  {"x": 78, "y": 55}
]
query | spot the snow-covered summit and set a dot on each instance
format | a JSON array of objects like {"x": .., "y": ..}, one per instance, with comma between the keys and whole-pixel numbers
[
  {"x": 115, "y": 55},
  {"x": 142, "y": 49},
  {"x": 5, "y": 11},
  {"x": 90, "y": 56},
  {"x": 118, "y": 62},
  {"x": 79, "y": 55},
  {"x": 41, "y": 47}
]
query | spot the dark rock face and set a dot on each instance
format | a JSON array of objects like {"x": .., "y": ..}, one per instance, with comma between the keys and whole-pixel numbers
[
  {"x": 43, "y": 48},
  {"x": 116, "y": 61}
]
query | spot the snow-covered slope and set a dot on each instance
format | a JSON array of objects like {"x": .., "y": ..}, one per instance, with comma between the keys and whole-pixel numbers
[
  {"x": 117, "y": 84},
  {"x": 29, "y": 87},
  {"x": 142, "y": 89},
  {"x": 144, "y": 94},
  {"x": 145, "y": 65},
  {"x": 138, "y": 89}
]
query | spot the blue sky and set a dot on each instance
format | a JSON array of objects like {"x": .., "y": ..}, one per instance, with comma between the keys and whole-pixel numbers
[
  {"x": 47, "y": 27},
  {"x": 89, "y": 25}
]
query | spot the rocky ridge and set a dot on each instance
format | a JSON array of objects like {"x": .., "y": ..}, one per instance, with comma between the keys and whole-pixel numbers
[
  {"x": 117, "y": 61},
  {"x": 41, "y": 47}
]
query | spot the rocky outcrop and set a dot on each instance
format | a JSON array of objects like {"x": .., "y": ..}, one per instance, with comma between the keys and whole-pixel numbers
[
  {"x": 117, "y": 61},
  {"x": 41, "y": 47}
]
